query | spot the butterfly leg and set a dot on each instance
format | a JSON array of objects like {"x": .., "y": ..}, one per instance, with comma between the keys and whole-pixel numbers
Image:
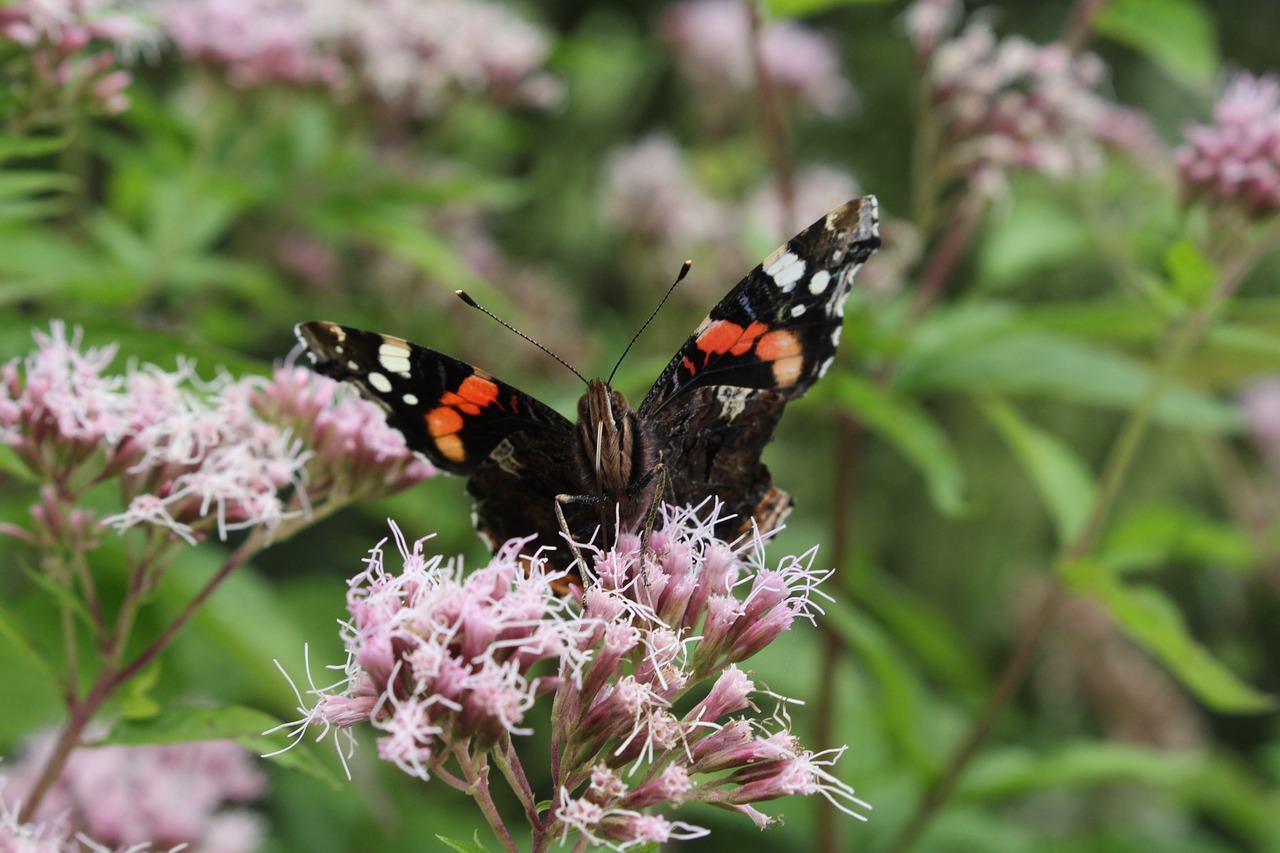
[
  {"x": 561, "y": 500},
  {"x": 659, "y": 471}
]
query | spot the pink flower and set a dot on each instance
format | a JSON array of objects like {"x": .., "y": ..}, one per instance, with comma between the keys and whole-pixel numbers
[
  {"x": 413, "y": 55},
  {"x": 71, "y": 51},
  {"x": 190, "y": 456},
  {"x": 1235, "y": 161},
  {"x": 712, "y": 42},
  {"x": 1009, "y": 104},
  {"x": 818, "y": 189},
  {"x": 449, "y": 667},
  {"x": 122, "y": 797},
  {"x": 1260, "y": 405},
  {"x": 649, "y": 194}
]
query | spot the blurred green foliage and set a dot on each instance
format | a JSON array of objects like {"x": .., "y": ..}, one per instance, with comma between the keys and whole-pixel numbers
[{"x": 986, "y": 425}]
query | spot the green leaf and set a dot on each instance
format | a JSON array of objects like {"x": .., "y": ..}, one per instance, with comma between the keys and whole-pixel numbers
[
  {"x": 901, "y": 696},
  {"x": 1151, "y": 536},
  {"x": 1179, "y": 36},
  {"x": 1064, "y": 482},
  {"x": 910, "y": 430},
  {"x": 987, "y": 348},
  {"x": 1014, "y": 772},
  {"x": 11, "y": 632},
  {"x": 246, "y": 726},
  {"x": 12, "y": 147},
  {"x": 32, "y": 181},
  {"x": 465, "y": 846},
  {"x": 135, "y": 700},
  {"x": 1153, "y": 621},
  {"x": 800, "y": 8},
  {"x": 1191, "y": 273},
  {"x": 1037, "y": 235}
]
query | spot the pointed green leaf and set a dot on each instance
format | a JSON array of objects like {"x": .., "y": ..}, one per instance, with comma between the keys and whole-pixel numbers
[
  {"x": 1151, "y": 619},
  {"x": 988, "y": 348},
  {"x": 1192, "y": 274},
  {"x": 908, "y": 429},
  {"x": 465, "y": 846},
  {"x": 1177, "y": 35},
  {"x": 1064, "y": 482}
]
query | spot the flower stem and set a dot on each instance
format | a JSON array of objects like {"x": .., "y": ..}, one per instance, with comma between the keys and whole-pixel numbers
[{"x": 476, "y": 771}]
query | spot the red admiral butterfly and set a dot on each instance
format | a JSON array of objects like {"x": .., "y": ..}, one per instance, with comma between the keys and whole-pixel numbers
[{"x": 699, "y": 432}]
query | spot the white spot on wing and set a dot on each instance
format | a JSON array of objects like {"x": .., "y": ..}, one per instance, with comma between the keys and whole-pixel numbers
[
  {"x": 378, "y": 382},
  {"x": 826, "y": 365},
  {"x": 819, "y": 282},
  {"x": 733, "y": 400},
  {"x": 785, "y": 270},
  {"x": 797, "y": 310},
  {"x": 835, "y": 335},
  {"x": 394, "y": 356},
  {"x": 410, "y": 399}
]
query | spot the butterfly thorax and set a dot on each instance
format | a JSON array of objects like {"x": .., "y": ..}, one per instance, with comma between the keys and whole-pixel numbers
[{"x": 614, "y": 451}]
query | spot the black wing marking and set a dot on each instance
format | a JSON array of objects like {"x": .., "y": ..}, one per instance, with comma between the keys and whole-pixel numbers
[
  {"x": 779, "y": 327},
  {"x": 455, "y": 414}
]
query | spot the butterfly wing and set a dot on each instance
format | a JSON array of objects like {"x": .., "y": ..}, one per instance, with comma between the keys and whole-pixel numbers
[
  {"x": 517, "y": 451},
  {"x": 717, "y": 403}
]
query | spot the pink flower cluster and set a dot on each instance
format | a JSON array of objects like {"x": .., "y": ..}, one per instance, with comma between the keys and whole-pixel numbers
[
  {"x": 1009, "y": 104},
  {"x": 189, "y": 456},
  {"x": 1260, "y": 406},
  {"x": 712, "y": 43},
  {"x": 70, "y": 46},
  {"x": 650, "y": 195},
  {"x": 411, "y": 54},
  {"x": 449, "y": 668},
  {"x": 142, "y": 797},
  {"x": 1235, "y": 162}
]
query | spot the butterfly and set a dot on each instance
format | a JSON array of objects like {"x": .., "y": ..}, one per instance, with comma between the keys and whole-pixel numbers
[{"x": 699, "y": 432}]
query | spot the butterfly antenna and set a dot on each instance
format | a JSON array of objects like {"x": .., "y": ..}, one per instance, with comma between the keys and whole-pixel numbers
[
  {"x": 684, "y": 271},
  {"x": 465, "y": 297}
]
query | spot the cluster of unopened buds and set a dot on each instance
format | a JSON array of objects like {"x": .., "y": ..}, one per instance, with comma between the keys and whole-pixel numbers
[
  {"x": 449, "y": 668},
  {"x": 1009, "y": 104},
  {"x": 1235, "y": 161}
]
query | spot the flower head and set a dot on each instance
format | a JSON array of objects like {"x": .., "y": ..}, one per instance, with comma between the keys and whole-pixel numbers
[
  {"x": 134, "y": 797},
  {"x": 70, "y": 51},
  {"x": 651, "y": 707},
  {"x": 712, "y": 43},
  {"x": 1008, "y": 104},
  {"x": 413, "y": 55},
  {"x": 1235, "y": 161}
]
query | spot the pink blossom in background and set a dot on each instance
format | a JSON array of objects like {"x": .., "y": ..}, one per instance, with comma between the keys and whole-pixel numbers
[
  {"x": 190, "y": 455},
  {"x": 1235, "y": 161},
  {"x": 256, "y": 42},
  {"x": 1009, "y": 104},
  {"x": 817, "y": 189},
  {"x": 448, "y": 666},
  {"x": 1260, "y": 406},
  {"x": 649, "y": 194},
  {"x": 161, "y": 796},
  {"x": 410, "y": 54},
  {"x": 711, "y": 40},
  {"x": 75, "y": 45}
]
